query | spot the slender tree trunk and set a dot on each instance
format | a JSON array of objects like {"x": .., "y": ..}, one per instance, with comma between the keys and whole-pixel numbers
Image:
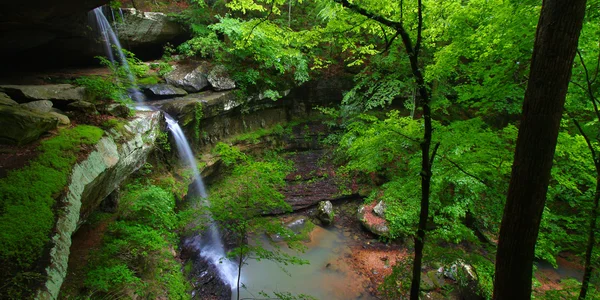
[
  {"x": 426, "y": 156},
  {"x": 554, "y": 49},
  {"x": 240, "y": 263},
  {"x": 591, "y": 240}
]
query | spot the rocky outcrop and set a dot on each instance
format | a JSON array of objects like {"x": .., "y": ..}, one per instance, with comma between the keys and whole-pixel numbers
[
  {"x": 196, "y": 76},
  {"x": 160, "y": 91},
  {"x": 21, "y": 125},
  {"x": 149, "y": 29},
  {"x": 219, "y": 79},
  {"x": 190, "y": 77},
  {"x": 57, "y": 93},
  {"x": 114, "y": 157}
]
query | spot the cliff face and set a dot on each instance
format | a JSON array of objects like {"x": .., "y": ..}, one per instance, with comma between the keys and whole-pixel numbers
[{"x": 115, "y": 157}]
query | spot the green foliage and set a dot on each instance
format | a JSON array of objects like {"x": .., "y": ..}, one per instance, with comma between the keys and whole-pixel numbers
[
  {"x": 162, "y": 68},
  {"x": 149, "y": 80},
  {"x": 485, "y": 58},
  {"x": 162, "y": 140},
  {"x": 27, "y": 198},
  {"x": 135, "y": 257},
  {"x": 250, "y": 191},
  {"x": 102, "y": 88},
  {"x": 472, "y": 164},
  {"x": 397, "y": 284},
  {"x": 137, "y": 67},
  {"x": 205, "y": 43},
  {"x": 255, "y": 136}
]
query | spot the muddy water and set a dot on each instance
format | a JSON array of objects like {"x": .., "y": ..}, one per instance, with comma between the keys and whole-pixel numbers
[
  {"x": 328, "y": 276},
  {"x": 565, "y": 269}
]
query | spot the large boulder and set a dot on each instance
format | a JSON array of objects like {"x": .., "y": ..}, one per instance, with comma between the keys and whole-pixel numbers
[
  {"x": 372, "y": 222},
  {"x": 162, "y": 91},
  {"x": 220, "y": 80},
  {"x": 57, "y": 93},
  {"x": 191, "y": 77},
  {"x": 149, "y": 29},
  {"x": 21, "y": 126},
  {"x": 325, "y": 212}
]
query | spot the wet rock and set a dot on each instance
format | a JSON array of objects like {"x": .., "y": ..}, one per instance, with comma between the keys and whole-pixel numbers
[
  {"x": 162, "y": 91},
  {"x": 220, "y": 80},
  {"x": 372, "y": 222},
  {"x": 6, "y": 100},
  {"x": 192, "y": 78},
  {"x": 52, "y": 92},
  {"x": 82, "y": 106},
  {"x": 21, "y": 126},
  {"x": 42, "y": 106},
  {"x": 325, "y": 212},
  {"x": 379, "y": 209},
  {"x": 115, "y": 109}
]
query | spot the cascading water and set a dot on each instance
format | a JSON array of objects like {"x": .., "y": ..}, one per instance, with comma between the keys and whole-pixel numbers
[
  {"x": 211, "y": 248},
  {"x": 111, "y": 42},
  {"x": 210, "y": 245}
]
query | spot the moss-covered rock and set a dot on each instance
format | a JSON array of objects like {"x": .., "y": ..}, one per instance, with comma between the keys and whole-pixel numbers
[
  {"x": 21, "y": 126},
  {"x": 325, "y": 212},
  {"x": 114, "y": 158}
]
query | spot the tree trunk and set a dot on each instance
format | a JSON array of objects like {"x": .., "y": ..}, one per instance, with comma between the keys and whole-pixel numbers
[
  {"x": 555, "y": 45},
  {"x": 591, "y": 241}
]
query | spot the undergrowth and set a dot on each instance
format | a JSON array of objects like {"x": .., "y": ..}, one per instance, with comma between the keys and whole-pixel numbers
[{"x": 136, "y": 257}]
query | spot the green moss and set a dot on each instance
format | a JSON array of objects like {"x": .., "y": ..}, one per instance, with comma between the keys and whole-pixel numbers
[
  {"x": 148, "y": 80},
  {"x": 27, "y": 197}
]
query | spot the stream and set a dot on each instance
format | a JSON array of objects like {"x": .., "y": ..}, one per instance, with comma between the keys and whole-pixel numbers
[{"x": 328, "y": 276}]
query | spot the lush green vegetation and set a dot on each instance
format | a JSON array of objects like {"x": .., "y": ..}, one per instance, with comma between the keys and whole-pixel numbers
[
  {"x": 474, "y": 57},
  {"x": 137, "y": 253},
  {"x": 28, "y": 198}
]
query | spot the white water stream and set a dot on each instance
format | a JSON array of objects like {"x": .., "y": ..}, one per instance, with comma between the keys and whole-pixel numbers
[
  {"x": 112, "y": 43},
  {"x": 211, "y": 247}
]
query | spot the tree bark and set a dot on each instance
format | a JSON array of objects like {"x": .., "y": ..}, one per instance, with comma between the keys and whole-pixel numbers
[{"x": 554, "y": 50}]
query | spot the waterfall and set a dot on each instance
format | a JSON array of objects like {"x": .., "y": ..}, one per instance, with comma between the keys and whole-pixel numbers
[
  {"x": 211, "y": 246},
  {"x": 111, "y": 42}
]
